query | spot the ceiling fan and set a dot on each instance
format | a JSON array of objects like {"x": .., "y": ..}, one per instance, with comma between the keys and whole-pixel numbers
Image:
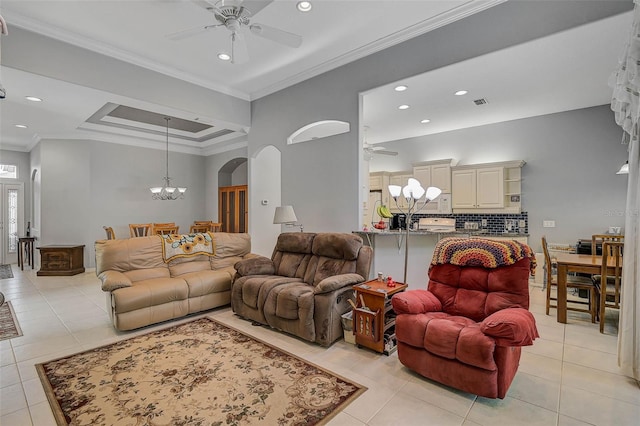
[
  {"x": 371, "y": 150},
  {"x": 235, "y": 15}
]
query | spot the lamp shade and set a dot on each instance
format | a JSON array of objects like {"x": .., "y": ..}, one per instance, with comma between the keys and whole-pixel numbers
[
  {"x": 433, "y": 192},
  {"x": 284, "y": 214},
  {"x": 395, "y": 190},
  {"x": 624, "y": 170}
]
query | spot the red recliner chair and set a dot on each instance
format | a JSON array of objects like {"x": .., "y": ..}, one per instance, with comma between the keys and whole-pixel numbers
[{"x": 466, "y": 329}]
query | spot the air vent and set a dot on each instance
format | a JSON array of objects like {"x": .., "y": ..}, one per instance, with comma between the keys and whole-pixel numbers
[{"x": 480, "y": 101}]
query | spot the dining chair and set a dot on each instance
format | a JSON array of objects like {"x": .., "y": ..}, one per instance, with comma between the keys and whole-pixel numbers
[
  {"x": 213, "y": 226},
  {"x": 139, "y": 229},
  {"x": 161, "y": 225},
  {"x": 199, "y": 229},
  {"x": 599, "y": 239},
  {"x": 573, "y": 282},
  {"x": 166, "y": 230},
  {"x": 110, "y": 234},
  {"x": 608, "y": 283}
]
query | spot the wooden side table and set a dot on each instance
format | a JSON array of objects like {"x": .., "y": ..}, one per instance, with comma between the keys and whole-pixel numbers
[
  {"x": 61, "y": 260},
  {"x": 377, "y": 322},
  {"x": 25, "y": 249}
]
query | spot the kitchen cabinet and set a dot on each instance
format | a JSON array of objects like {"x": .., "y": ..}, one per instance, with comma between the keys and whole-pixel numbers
[
  {"x": 491, "y": 187},
  {"x": 434, "y": 173},
  {"x": 400, "y": 179},
  {"x": 478, "y": 188}
]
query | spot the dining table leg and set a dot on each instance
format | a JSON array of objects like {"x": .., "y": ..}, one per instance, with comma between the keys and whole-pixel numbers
[{"x": 562, "y": 293}]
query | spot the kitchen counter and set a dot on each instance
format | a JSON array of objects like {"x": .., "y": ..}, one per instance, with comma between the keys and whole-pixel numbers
[{"x": 388, "y": 253}]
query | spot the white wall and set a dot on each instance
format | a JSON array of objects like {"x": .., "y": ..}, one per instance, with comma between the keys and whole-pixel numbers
[
  {"x": 87, "y": 185},
  {"x": 322, "y": 178},
  {"x": 20, "y": 159},
  {"x": 265, "y": 183}
]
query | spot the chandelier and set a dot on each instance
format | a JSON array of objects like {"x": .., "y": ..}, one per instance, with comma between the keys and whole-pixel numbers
[{"x": 167, "y": 192}]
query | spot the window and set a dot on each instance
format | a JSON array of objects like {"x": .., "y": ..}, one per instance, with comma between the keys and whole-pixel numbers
[{"x": 8, "y": 171}]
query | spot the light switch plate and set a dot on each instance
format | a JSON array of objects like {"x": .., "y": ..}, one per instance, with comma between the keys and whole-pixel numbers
[{"x": 548, "y": 223}]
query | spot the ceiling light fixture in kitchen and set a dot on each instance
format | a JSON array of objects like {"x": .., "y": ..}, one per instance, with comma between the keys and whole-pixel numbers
[
  {"x": 401, "y": 88},
  {"x": 403, "y": 107},
  {"x": 461, "y": 92}
]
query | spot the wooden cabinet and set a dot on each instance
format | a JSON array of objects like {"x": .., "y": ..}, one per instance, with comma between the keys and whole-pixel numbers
[
  {"x": 374, "y": 319},
  {"x": 481, "y": 188},
  {"x": 233, "y": 208},
  {"x": 401, "y": 179},
  {"x": 61, "y": 260},
  {"x": 434, "y": 173}
]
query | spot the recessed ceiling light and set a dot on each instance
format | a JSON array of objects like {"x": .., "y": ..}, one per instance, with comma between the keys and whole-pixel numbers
[
  {"x": 461, "y": 92},
  {"x": 304, "y": 6},
  {"x": 224, "y": 56},
  {"x": 21, "y": 126},
  {"x": 425, "y": 121},
  {"x": 401, "y": 88},
  {"x": 33, "y": 99},
  {"x": 403, "y": 107}
]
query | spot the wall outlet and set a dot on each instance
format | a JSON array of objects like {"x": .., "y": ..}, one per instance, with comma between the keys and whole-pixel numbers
[
  {"x": 484, "y": 223},
  {"x": 522, "y": 224},
  {"x": 548, "y": 223}
]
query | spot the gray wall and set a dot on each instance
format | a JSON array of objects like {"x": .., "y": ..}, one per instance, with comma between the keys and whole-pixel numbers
[
  {"x": 569, "y": 175},
  {"x": 213, "y": 164},
  {"x": 322, "y": 178},
  {"x": 87, "y": 185},
  {"x": 20, "y": 159}
]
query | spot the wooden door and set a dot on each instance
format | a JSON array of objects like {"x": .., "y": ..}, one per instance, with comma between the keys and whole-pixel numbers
[{"x": 233, "y": 208}]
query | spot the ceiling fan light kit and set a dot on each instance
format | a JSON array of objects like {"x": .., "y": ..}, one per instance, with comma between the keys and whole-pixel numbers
[{"x": 234, "y": 17}]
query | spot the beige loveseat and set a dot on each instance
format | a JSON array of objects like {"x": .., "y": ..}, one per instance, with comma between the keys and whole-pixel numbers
[
  {"x": 142, "y": 288},
  {"x": 304, "y": 287}
]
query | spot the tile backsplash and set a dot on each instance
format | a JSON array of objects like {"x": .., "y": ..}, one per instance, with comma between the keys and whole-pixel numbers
[{"x": 495, "y": 223}]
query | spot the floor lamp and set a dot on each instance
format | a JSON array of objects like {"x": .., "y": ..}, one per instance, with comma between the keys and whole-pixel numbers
[{"x": 412, "y": 193}]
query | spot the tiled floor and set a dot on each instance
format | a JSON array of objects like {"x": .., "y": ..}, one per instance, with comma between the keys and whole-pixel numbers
[{"x": 568, "y": 377}]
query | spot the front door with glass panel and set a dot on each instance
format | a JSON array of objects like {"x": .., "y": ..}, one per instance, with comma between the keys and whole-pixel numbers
[{"x": 11, "y": 222}]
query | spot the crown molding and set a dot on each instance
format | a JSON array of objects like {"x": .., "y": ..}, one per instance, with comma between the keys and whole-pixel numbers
[
  {"x": 117, "y": 53},
  {"x": 445, "y": 18}
]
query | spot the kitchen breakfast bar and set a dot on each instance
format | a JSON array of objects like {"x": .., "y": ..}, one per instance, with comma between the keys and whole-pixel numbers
[{"x": 388, "y": 251}]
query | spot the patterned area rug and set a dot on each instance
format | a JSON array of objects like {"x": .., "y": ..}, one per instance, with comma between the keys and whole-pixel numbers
[
  {"x": 5, "y": 272},
  {"x": 198, "y": 373},
  {"x": 9, "y": 326}
]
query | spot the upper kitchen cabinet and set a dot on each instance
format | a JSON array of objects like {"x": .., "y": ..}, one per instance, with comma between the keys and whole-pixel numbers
[
  {"x": 434, "y": 173},
  {"x": 492, "y": 187},
  {"x": 401, "y": 179}
]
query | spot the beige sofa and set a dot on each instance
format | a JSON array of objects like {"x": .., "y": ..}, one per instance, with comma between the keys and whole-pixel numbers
[
  {"x": 142, "y": 288},
  {"x": 304, "y": 287}
]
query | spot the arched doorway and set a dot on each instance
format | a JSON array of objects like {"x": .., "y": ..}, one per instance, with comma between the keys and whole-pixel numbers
[{"x": 233, "y": 197}]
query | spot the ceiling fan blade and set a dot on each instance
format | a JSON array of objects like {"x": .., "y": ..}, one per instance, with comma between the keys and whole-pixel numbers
[
  {"x": 386, "y": 152},
  {"x": 256, "y": 6},
  {"x": 274, "y": 34},
  {"x": 239, "y": 52},
  {"x": 189, "y": 32}
]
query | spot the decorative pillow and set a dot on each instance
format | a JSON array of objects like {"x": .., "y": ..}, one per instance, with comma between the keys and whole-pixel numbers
[{"x": 187, "y": 245}]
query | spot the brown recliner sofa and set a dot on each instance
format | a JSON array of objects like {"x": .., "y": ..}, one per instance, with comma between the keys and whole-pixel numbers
[
  {"x": 143, "y": 289},
  {"x": 304, "y": 287}
]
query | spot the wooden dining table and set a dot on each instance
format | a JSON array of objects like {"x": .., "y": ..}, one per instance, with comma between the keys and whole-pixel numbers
[{"x": 572, "y": 262}]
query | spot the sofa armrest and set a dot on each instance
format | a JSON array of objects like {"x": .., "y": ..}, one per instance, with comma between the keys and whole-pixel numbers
[
  {"x": 335, "y": 282},
  {"x": 417, "y": 301},
  {"x": 511, "y": 327},
  {"x": 113, "y": 280},
  {"x": 258, "y": 265}
]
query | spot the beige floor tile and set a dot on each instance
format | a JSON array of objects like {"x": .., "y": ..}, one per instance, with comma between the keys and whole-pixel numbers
[
  {"x": 597, "y": 409},
  {"x": 407, "y": 410},
  {"x": 589, "y": 358},
  {"x": 546, "y": 348},
  {"x": 45, "y": 347},
  {"x": 41, "y": 414},
  {"x": 570, "y": 421},
  {"x": 601, "y": 382},
  {"x": 17, "y": 418},
  {"x": 511, "y": 412},
  {"x": 371, "y": 401},
  {"x": 9, "y": 375},
  {"x": 12, "y": 399},
  {"x": 342, "y": 419},
  {"x": 453, "y": 400},
  {"x": 535, "y": 390},
  {"x": 34, "y": 392},
  {"x": 551, "y": 332},
  {"x": 540, "y": 366},
  {"x": 591, "y": 338},
  {"x": 6, "y": 355}
]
